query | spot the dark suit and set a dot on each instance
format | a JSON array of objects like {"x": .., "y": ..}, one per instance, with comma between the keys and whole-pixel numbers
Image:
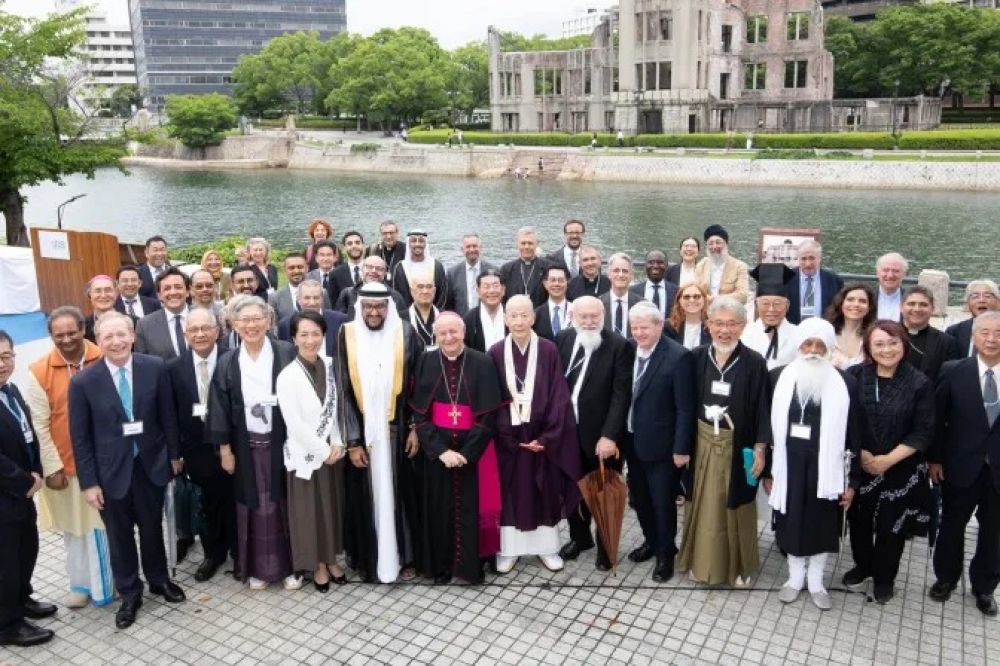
[
  {"x": 149, "y": 305},
  {"x": 962, "y": 332},
  {"x": 285, "y": 305},
  {"x": 458, "y": 296},
  {"x": 265, "y": 281},
  {"x": 333, "y": 322},
  {"x": 678, "y": 337},
  {"x": 519, "y": 279},
  {"x": 148, "y": 288},
  {"x": 133, "y": 484},
  {"x": 201, "y": 461},
  {"x": 152, "y": 335},
  {"x": 610, "y": 304},
  {"x": 543, "y": 320},
  {"x": 581, "y": 286},
  {"x": 601, "y": 407},
  {"x": 673, "y": 274},
  {"x": 390, "y": 257},
  {"x": 963, "y": 443},
  {"x": 668, "y": 292},
  {"x": 474, "y": 337},
  {"x": 18, "y": 532},
  {"x": 341, "y": 279},
  {"x": 663, "y": 416},
  {"x": 829, "y": 285},
  {"x": 348, "y": 297},
  {"x": 558, "y": 258}
]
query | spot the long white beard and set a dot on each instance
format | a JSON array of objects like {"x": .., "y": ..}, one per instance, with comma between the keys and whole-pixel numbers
[
  {"x": 725, "y": 349},
  {"x": 811, "y": 371},
  {"x": 589, "y": 340},
  {"x": 718, "y": 259}
]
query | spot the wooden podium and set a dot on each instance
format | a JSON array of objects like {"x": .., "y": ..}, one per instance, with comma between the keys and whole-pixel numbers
[{"x": 65, "y": 260}]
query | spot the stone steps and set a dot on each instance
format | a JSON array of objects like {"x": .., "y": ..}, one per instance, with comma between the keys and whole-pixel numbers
[{"x": 540, "y": 165}]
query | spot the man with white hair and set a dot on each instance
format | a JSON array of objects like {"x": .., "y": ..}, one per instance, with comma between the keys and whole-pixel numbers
[
  {"x": 732, "y": 431},
  {"x": 815, "y": 424},
  {"x": 719, "y": 273},
  {"x": 891, "y": 269},
  {"x": 419, "y": 264},
  {"x": 597, "y": 365},
  {"x": 771, "y": 335},
  {"x": 813, "y": 288},
  {"x": 524, "y": 275},
  {"x": 980, "y": 296},
  {"x": 377, "y": 353}
]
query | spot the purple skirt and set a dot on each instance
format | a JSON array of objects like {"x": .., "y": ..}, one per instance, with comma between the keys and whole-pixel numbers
[{"x": 265, "y": 552}]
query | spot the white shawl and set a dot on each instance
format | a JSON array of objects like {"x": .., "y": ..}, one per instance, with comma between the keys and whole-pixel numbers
[
  {"x": 312, "y": 425},
  {"x": 520, "y": 404}
]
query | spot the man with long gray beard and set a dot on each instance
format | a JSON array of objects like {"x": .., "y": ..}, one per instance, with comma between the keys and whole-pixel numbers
[
  {"x": 814, "y": 426},
  {"x": 598, "y": 368},
  {"x": 719, "y": 272}
]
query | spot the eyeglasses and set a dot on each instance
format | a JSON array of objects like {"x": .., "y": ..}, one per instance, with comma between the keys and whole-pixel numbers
[
  {"x": 725, "y": 325},
  {"x": 251, "y": 319},
  {"x": 198, "y": 330},
  {"x": 692, "y": 297},
  {"x": 7, "y": 358}
]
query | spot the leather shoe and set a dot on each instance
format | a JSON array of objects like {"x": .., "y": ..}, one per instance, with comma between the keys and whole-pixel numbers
[
  {"x": 940, "y": 591},
  {"x": 25, "y": 634},
  {"x": 603, "y": 562},
  {"x": 442, "y": 578},
  {"x": 572, "y": 550},
  {"x": 170, "y": 591},
  {"x": 663, "y": 572},
  {"x": 206, "y": 570},
  {"x": 37, "y": 610},
  {"x": 126, "y": 612},
  {"x": 642, "y": 553},
  {"x": 986, "y": 604}
]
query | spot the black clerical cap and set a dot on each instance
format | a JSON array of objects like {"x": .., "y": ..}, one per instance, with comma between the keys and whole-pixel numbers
[{"x": 772, "y": 278}]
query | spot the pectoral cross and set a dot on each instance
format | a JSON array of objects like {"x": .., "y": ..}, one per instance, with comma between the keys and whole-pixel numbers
[{"x": 454, "y": 414}]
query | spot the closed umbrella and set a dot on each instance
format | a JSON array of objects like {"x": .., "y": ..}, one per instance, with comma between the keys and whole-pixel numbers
[
  {"x": 606, "y": 495},
  {"x": 170, "y": 513}
]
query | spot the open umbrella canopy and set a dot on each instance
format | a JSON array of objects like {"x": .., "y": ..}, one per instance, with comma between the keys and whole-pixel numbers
[{"x": 606, "y": 495}]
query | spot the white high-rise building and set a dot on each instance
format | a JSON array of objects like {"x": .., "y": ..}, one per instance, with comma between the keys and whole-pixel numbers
[{"x": 109, "y": 62}]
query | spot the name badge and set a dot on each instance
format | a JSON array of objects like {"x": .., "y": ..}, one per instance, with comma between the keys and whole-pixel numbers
[
  {"x": 721, "y": 388},
  {"x": 270, "y": 401},
  {"x": 431, "y": 348},
  {"x": 808, "y": 312},
  {"x": 29, "y": 437},
  {"x": 199, "y": 410},
  {"x": 801, "y": 431},
  {"x": 132, "y": 429}
]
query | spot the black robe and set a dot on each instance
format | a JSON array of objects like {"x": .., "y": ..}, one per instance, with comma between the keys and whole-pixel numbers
[
  {"x": 749, "y": 407},
  {"x": 401, "y": 284},
  {"x": 929, "y": 349},
  {"x": 521, "y": 278},
  {"x": 581, "y": 286},
  {"x": 451, "y": 495},
  {"x": 360, "y": 539},
  {"x": 227, "y": 422}
]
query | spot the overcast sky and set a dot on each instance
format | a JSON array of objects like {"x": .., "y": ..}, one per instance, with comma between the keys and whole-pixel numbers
[{"x": 453, "y": 22}]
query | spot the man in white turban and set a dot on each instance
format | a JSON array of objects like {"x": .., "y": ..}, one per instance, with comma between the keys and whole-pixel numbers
[{"x": 815, "y": 430}]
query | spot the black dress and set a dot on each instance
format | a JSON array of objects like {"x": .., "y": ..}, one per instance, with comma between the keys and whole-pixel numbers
[{"x": 811, "y": 525}]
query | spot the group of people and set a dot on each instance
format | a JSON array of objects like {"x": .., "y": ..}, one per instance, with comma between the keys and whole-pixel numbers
[{"x": 403, "y": 419}]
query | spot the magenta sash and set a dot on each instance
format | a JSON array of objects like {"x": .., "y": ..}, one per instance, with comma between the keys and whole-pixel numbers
[{"x": 457, "y": 417}]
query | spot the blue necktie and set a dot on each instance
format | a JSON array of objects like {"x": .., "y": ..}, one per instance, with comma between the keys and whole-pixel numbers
[
  {"x": 125, "y": 395},
  {"x": 556, "y": 321},
  {"x": 15, "y": 410}
]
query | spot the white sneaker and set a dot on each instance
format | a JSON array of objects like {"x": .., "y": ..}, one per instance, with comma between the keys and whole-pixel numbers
[
  {"x": 505, "y": 563},
  {"x": 76, "y": 600},
  {"x": 293, "y": 582},
  {"x": 551, "y": 562},
  {"x": 256, "y": 584}
]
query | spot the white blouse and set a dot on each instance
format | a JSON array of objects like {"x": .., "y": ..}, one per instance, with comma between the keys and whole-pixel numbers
[{"x": 312, "y": 425}]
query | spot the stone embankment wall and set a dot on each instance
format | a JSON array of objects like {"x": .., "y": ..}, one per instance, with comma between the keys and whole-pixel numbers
[
  {"x": 273, "y": 151},
  {"x": 426, "y": 160}
]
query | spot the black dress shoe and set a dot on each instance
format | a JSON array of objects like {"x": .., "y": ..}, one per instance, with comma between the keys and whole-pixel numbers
[
  {"x": 206, "y": 570},
  {"x": 663, "y": 571},
  {"x": 170, "y": 591},
  {"x": 126, "y": 612},
  {"x": 322, "y": 587},
  {"x": 572, "y": 550},
  {"x": 237, "y": 572},
  {"x": 25, "y": 634},
  {"x": 642, "y": 553},
  {"x": 940, "y": 591},
  {"x": 37, "y": 610},
  {"x": 602, "y": 563},
  {"x": 442, "y": 578},
  {"x": 183, "y": 545},
  {"x": 883, "y": 592},
  {"x": 986, "y": 604}
]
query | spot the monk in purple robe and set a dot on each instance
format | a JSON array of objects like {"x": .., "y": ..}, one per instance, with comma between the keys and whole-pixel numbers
[{"x": 537, "y": 446}]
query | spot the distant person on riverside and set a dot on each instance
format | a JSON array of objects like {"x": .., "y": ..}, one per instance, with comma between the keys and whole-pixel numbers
[
  {"x": 620, "y": 139},
  {"x": 891, "y": 270},
  {"x": 720, "y": 273},
  {"x": 589, "y": 281},
  {"x": 813, "y": 288},
  {"x": 156, "y": 263},
  {"x": 389, "y": 249},
  {"x": 129, "y": 300},
  {"x": 318, "y": 230},
  {"x": 980, "y": 296}
]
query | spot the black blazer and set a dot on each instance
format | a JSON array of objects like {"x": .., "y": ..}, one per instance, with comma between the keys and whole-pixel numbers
[
  {"x": 673, "y": 274},
  {"x": 341, "y": 279},
  {"x": 543, "y": 321},
  {"x": 609, "y": 315},
  {"x": 606, "y": 392},
  {"x": 666, "y": 298},
  {"x": 962, "y": 332},
  {"x": 474, "y": 338},
  {"x": 963, "y": 436},
  {"x": 148, "y": 287},
  {"x": 103, "y": 454},
  {"x": 578, "y": 287},
  {"x": 148, "y": 304},
  {"x": 15, "y": 465},
  {"x": 271, "y": 279},
  {"x": 663, "y": 406},
  {"x": 334, "y": 320},
  {"x": 829, "y": 284},
  {"x": 191, "y": 432},
  {"x": 678, "y": 337}
]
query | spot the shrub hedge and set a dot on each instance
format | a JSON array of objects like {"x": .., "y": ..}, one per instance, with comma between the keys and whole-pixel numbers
[
  {"x": 984, "y": 139},
  {"x": 310, "y": 122}
]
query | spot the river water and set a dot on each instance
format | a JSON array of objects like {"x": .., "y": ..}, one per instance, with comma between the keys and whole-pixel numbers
[{"x": 944, "y": 230}]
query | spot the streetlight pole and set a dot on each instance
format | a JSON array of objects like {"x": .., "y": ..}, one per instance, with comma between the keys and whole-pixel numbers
[{"x": 59, "y": 210}]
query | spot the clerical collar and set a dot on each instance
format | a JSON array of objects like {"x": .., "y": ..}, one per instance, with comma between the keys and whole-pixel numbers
[
  {"x": 916, "y": 331},
  {"x": 455, "y": 358}
]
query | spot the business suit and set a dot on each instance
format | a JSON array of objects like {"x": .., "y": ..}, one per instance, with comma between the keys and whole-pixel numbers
[
  {"x": 348, "y": 297},
  {"x": 964, "y": 441},
  {"x": 668, "y": 292},
  {"x": 735, "y": 278},
  {"x": 962, "y": 332},
  {"x": 18, "y": 530},
  {"x": 610, "y": 306},
  {"x": 148, "y": 287},
  {"x": 663, "y": 417},
  {"x": 149, "y": 305},
  {"x": 830, "y": 285},
  {"x": 201, "y": 460},
  {"x": 558, "y": 258},
  {"x": 285, "y": 304},
  {"x": 474, "y": 337},
  {"x": 341, "y": 279},
  {"x": 458, "y": 289},
  {"x": 543, "y": 319},
  {"x": 678, "y": 337},
  {"x": 133, "y": 480},
  {"x": 267, "y": 279},
  {"x": 601, "y": 409},
  {"x": 152, "y": 335},
  {"x": 334, "y": 320}
]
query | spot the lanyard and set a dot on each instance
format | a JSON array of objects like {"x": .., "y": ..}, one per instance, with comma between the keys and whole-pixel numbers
[
  {"x": 722, "y": 373},
  {"x": 15, "y": 410}
]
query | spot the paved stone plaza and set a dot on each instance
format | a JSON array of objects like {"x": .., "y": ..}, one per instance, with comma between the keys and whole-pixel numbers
[{"x": 528, "y": 617}]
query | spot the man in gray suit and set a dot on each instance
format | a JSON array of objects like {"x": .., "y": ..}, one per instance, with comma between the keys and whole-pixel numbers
[
  {"x": 462, "y": 294},
  {"x": 162, "y": 332},
  {"x": 620, "y": 299},
  {"x": 285, "y": 301}
]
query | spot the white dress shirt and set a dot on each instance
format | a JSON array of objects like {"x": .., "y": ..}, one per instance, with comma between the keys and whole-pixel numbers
[
  {"x": 212, "y": 357},
  {"x": 648, "y": 295},
  {"x": 565, "y": 313},
  {"x": 115, "y": 369},
  {"x": 614, "y": 300},
  {"x": 471, "y": 293},
  {"x": 716, "y": 278},
  {"x": 493, "y": 327},
  {"x": 692, "y": 335},
  {"x": 888, "y": 304},
  {"x": 172, "y": 326},
  {"x": 255, "y": 383},
  {"x": 136, "y": 304}
]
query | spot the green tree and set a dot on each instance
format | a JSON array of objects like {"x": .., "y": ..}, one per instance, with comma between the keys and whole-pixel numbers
[
  {"x": 122, "y": 99},
  {"x": 41, "y": 139},
  {"x": 200, "y": 120},
  {"x": 470, "y": 77},
  {"x": 512, "y": 41}
]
